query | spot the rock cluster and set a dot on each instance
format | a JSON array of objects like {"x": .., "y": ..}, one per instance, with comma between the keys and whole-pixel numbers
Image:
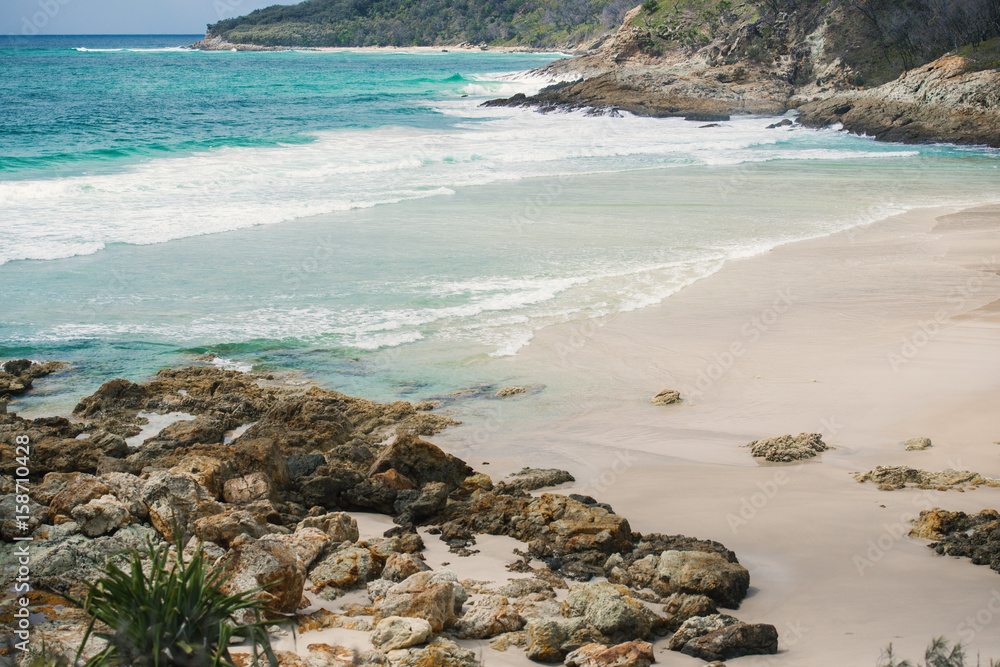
[
  {"x": 973, "y": 536},
  {"x": 272, "y": 506},
  {"x": 890, "y": 478},
  {"x": 18, "y": 375}
]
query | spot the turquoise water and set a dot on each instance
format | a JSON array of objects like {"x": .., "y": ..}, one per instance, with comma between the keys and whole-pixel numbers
[{"x": 357, "y": 216}]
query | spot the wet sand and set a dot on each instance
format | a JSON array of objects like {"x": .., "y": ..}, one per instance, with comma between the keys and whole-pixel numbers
[{"x": 870, "y": 337}]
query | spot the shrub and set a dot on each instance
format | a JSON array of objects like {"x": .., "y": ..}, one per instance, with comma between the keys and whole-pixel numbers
[{"x": 170, "y": 616}]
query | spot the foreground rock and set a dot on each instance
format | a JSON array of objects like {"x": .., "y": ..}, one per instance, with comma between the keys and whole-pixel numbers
[
  {"x": 398, "y": 632},
  {"x": 890, "y": 478},
  {"x": 628, "y": 654},
  {"x": 666, "y": 397},
  {"x": 972, "y": 536},
  {"x": 786, "y": 448}
]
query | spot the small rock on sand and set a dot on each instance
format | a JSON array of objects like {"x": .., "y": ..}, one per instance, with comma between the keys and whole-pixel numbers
[
  {"x": 787, "y": 448},
  {"x": 666, "y": 397},
  {"x": 917, "y": 444}
]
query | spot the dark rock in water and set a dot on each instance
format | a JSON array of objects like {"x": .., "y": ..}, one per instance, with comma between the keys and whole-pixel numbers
[
  {"x": 704, "y": 127},
  {"x": 784, "y": 123},
  {"x": 113, "y": 396},
  {"x": 706, "y": 116},
  {"x": 529, "y": 479},
  {"x": 16, "y": 366}
]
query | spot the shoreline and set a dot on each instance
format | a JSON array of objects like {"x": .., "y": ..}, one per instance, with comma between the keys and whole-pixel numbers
[
  {"x": 825, "y": 364},
  {"x": 218, "y": 44}
]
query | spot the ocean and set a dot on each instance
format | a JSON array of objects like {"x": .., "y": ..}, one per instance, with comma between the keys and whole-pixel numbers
[{"x": 359, "y": 219}]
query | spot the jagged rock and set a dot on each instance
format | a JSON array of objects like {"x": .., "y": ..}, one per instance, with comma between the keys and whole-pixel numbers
[
  {"x": 322, "y": 619},
  {"x": 176, "y": 500},
  {"x": 307, "y": 543},
  {"x": 551, "y": 640},
  {"x": 734, "y": 641},
  {"x": 79, "y": 489},
  {"x": 303, "y": 465},
  {"x": 100, "y": 516},
  {"x": 350, "y": 566},
  {"x": 517, "y": 588},
  {"x": 55, "y": 446},
  {"x": 400, "y": 632},
  {"x": 340, "y": 526},
  {"x": 113, "y": 396},
  {"x": 16, "y": 366},
  {"x": 612, "y": 611},
  {"x": 699, "y": 626},
  {"x": 439, "y": 653},
  {"x": 399, "y": 566},
  {"x": 889, "y": 478},
  {"x": 224, "y": 528},
  {"x": 787, "y": 448},
  {"x": 511, "y": 391},
  {"x": 200, "y": 430},
  {"x": 421, "y": 462},
  {"x": 973, "y": 536},
  {"x": 487, "y": 617},
  {"x": 9, "y": 528},
  {"x": 267, "y": 564},
  {"x": 701, "y": 573},
  {"x": 247, "y": 489},
  {"x": 435, "y": 596},
  {"x": 679, "y": 607},
  {"x": 628, "y": 654},
  {"x": 666, "y": 397},
  {"x": 783, "y": 123},
  {"x": 917, "y": 444},
  {"x": 209, "y": 471},
  {"x": 529, "y": 479}
]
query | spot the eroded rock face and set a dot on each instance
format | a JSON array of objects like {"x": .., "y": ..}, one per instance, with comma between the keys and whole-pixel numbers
[
  {"x": 529, "y": 479},
  {"x": 340, "y": 526},
  {"x": 272, "y": 565},
  {"x": 350, "y": 566},
  {"x": 612, "y": 611},
  {"x": 787, "y": 448},
  {"x": 400, "y": 632},
  {"x": 489, "y": 616},
  {"x": 176, "y": 501},
  {"x": 100, "y": 516},
  {"x": 889, "y": 478},
  {"x": 627, "y": 654},
  {"x": 435, "y": 596},
  {"x": 225, "y": 527},
  {"x": 702, "y": 573}
]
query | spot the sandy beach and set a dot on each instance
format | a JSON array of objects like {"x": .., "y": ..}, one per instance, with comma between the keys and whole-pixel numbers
[{"x": 870, "y": 337}]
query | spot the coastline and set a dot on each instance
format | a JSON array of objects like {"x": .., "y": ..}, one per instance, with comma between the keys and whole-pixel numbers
[
  {"x": 860, "y": 301},
  {"x": 218, "y": 44}
]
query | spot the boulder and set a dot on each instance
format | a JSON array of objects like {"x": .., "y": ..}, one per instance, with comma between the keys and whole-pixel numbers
[
  {"x": 529, "y": 479},
  {"x": 666, "y": 397},
  {"x": 307, "y": 543},
  {"x": 917, "y": 444},
  {"x": 340, "y": 526},
  {"x": 225, "y": 527},
  {"x": 611, "y": 610},
  {"x": 487, "y": 617},
  {"x": 127, "y": 489},
  {"x": 439, "y": 653},
  {"x": 551, "y": 640},
  {"x": 734, "y": 641},
  {"x": 79, "y": 489},
  {"x": 247, "y": 489},
  {"x": 400, "y": 632},
  {"x": 200, "y": 430},
  {"x": 435, "y": 596},
  {"x": 699, "y": 626},
  {"x": 702, "y": 573},
  {"x": 399, "y": 566},
  {"x": 679, "y": 607},
  {"x": 271, "y": 565},
  {"x": 787, "y": 448},
  {"x": 421, "y": 462},
  {"x": 113, "y": 396},
  {"x": 350, "y": 566},
  {"x": 176, "y": 501},
  {"x": 628, "y": 654},
  {"x": 101, "y": 516},
  {"x": 209, "y": 471}
]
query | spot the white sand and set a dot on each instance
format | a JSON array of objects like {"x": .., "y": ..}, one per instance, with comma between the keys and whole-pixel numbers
[{"x": 812, "y": 329}]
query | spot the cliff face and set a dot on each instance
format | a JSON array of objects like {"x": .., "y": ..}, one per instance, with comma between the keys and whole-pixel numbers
[
  {"x": 935, "y": 102},
  {"x": 750, "y": 61}
]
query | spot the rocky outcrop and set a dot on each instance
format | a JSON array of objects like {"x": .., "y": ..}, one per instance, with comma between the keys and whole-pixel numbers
[
  {"x": 788, "y": 448},
  {"x": 434, "y": 596},
  {"x": 17, "y": 376},
  {"x": 890, "y": 478},
  {"x": 400, "y": 632},
  {"x": 939, "y": 101},
  {"x": 972, "y": 536},
  {"x": 270, "y": 566},
  {"x": 627, "y": 654},
  {"x": 530, "y": 479}
]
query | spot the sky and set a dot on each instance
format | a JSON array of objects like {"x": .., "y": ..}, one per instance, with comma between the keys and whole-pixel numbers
[{"x": 120, "y": 17}]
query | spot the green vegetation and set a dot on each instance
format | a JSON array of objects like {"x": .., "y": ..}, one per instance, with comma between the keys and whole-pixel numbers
[
  {"x": 983, "y": 56},
  {"x": 157, "y": 615},
  {"x": 535, "y": 23},
  {"x": 688, "y": 24},
  {"x": 938, "y": 654}
]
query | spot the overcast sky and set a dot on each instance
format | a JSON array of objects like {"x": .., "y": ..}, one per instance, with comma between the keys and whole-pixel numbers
[{"x": 120, "y": 17}]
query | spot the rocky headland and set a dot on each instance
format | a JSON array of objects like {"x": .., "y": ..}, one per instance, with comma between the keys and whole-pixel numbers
[
  {"x": 828, "y": 61},
  {"x": 266, "y": 478}
]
